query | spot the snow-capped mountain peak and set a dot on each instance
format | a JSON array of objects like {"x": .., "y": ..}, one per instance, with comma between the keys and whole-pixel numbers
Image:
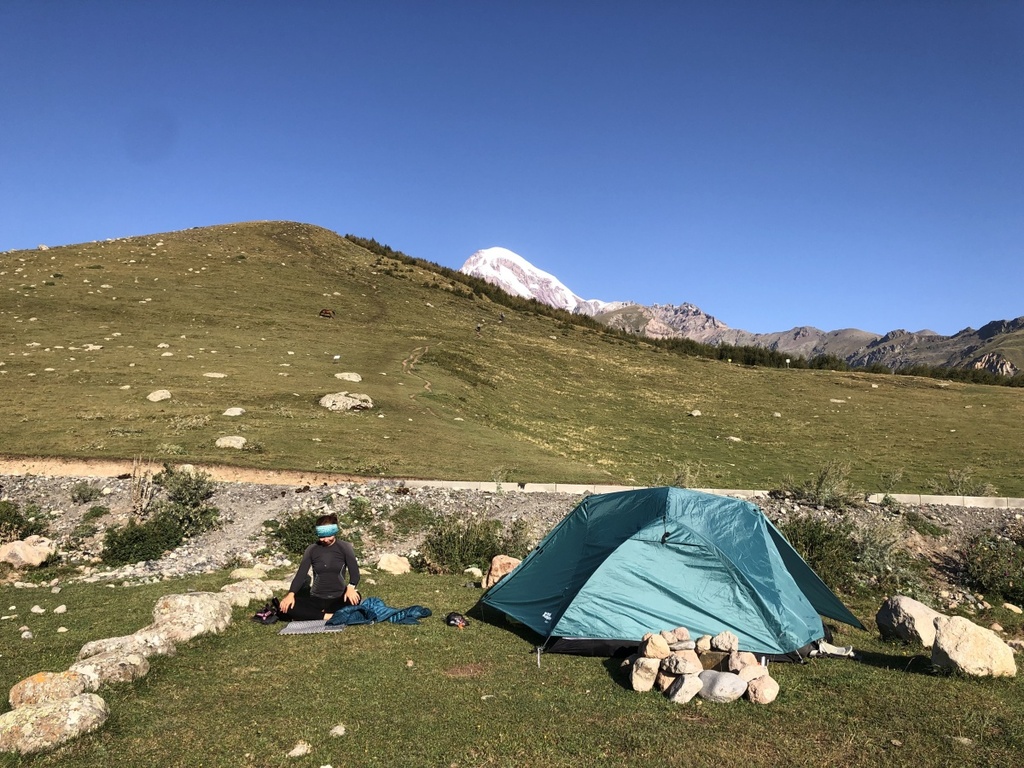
[{"x": 514, "y": 274}]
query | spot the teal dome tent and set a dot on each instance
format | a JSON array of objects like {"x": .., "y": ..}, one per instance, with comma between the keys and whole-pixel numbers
[{"x": 623, "y": 564}]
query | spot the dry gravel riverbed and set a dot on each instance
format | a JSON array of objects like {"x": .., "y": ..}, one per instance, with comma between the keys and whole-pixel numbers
[{"x": 246, "y": 498}]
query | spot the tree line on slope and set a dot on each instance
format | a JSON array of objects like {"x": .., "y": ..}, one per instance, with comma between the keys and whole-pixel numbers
[{"x": 476, "y": 287}]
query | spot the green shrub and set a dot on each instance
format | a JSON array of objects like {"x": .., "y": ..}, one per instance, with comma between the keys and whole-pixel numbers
[
  {"x": 83, "y": 493},
  {"x": 295, "y": 533},
  {"x": 918, "y": 522},
  {"x": 189, "y": 489},
  {"x": 412, "y": 517},
  {"x": 94, "y": 513},
  {"x": 135, "y": 542},
  {"x": 359, "y": 510},
  {"x": 186, "y": 493},
  {"x": 830, "y": 487},
  {"x": 454, "y": 544},
  {"x": 16, "y": 525},
  {"x": 827, "y": 547},
  {"x": 961, "y": 482},
  {"x": 881, "y": 562},
  {"x": 995, "y": 564},
  {"x": 191, "y": 520}
]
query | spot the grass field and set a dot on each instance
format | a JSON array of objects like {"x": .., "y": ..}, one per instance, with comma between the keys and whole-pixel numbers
[
  {"x": 87, "y": 331},
  {"x": 432, "y": 695}
]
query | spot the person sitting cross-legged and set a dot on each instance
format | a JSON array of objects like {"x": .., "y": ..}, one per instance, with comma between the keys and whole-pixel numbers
[{"x": 331, "y": 559}]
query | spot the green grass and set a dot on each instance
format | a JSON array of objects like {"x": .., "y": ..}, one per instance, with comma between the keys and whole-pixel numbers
[
  {"x": 476, "y": 697},
  {"x": 554, "y": 401}
]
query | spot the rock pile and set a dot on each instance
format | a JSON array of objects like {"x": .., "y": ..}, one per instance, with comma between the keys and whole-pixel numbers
[
  {"x": 51, "y": 708},
  {"x": 710, "y": 667}
]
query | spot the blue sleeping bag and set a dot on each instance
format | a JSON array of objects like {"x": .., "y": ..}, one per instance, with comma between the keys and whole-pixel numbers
[{"x": 373, "y": 610}]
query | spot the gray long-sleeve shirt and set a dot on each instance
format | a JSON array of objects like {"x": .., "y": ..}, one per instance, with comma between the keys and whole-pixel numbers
[{"x": 329, "y": 565}]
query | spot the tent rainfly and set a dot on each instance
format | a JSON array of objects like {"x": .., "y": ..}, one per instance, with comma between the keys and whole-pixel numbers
[{"x": 623, "y": 564}]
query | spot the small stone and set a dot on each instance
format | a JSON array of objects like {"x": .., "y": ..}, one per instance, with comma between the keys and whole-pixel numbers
[
  {"x": 158, "y": 395},
  {"x": 61, "y": 609},
  {"x": 338, "y": 730},
  {"x": 725, "y": 641},
  {"x": 300, "y": 750},
  {"x": 643, "y": 673},
  {"x": 61, "y": 630},
  {"x": 27, "y": 635},
  {"x": 654, "y": 647},
  {"x": 37, "y": 609},
  {"x": 763, "y": 690}
]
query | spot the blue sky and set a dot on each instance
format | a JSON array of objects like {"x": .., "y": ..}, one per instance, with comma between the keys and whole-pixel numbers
[{"x": 836, "y": 164}]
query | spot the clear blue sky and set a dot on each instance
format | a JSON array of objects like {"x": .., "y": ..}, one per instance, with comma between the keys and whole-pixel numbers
[{"x": 836, "y": 164}]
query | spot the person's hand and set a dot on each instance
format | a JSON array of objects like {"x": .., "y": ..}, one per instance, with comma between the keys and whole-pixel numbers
[
  {"x": 352, "y": 595},
  {"x": 287, "y": 602}
]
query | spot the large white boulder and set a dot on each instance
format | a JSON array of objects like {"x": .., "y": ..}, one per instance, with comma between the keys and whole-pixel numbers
[
  {"x": 394, "y": 564},
  {"x": 963, "y": 646},
  {"x": 346, "y": 401},
  {"x": 721, "y": 687},
  {"x": 906, "y": 619},
  {"x": 30, "y": 553}
]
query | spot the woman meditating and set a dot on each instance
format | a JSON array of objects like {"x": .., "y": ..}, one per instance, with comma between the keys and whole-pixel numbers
[{"x": 330, "y": 559}]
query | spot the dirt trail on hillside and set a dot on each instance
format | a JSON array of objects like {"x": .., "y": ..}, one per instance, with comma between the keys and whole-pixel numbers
[{"x": 55, "y": 467}]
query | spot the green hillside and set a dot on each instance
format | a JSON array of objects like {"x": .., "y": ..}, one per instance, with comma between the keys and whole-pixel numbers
[{"x": 532, "y": 397}]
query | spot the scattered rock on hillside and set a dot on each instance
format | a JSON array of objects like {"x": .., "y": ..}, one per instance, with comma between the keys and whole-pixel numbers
[
  {"x": 234, "y": 412},
  {"x": 158, "y": 395},
  {"x": 348, "y": 376},
  {"x": 346, "y": 401},
  {"x": 213, "y": 375},
  {"x": 231, "y": 441}
]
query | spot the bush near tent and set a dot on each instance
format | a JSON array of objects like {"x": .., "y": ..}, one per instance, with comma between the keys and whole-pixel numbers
[{"x": 623, "y": 564}]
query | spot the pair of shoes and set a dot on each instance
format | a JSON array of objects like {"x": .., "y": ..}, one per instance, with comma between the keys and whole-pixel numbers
[{"x": 266, "y": 615}]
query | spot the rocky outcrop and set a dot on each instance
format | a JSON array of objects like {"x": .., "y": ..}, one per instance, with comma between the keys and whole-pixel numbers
[{"x": 994, "y": 363}]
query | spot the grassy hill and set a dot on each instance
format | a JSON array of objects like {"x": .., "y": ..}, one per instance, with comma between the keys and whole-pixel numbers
[{"x": 532, "y": 397}]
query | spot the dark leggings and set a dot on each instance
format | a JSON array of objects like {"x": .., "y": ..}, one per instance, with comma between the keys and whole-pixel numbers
[{"x": 310, "y": 608}]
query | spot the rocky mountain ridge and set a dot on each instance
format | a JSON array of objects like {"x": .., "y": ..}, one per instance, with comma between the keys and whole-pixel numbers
[{"x": 969, "y": 348}]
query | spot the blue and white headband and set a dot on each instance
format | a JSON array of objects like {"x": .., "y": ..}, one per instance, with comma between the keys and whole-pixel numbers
[{"x": 323, "y": 531}]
